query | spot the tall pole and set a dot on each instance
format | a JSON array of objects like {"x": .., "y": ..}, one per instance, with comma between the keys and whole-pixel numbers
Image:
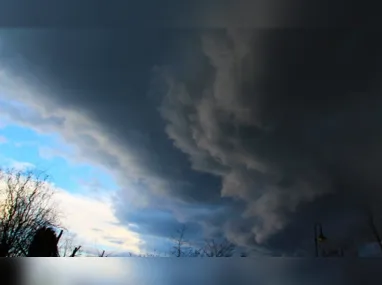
[
  {"x": 316, "y": 236},
  {"x": 315, "y": 239},
  {"x": 375, "y": 231}
]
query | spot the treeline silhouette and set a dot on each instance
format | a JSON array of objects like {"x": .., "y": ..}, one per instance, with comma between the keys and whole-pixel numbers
[
  {"x": 44, "y": 244},
  {"x": 28, "y": 216}
]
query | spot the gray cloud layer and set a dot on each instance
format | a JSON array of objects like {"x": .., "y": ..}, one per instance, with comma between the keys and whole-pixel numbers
[
  {"x": 245, "y": 132},
  {"x": 287, "y": 118}
]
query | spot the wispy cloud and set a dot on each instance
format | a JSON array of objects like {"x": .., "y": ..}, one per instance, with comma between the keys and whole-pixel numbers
[
  {"x": 52, "y": 152},
  {"x": 3, "y": 140},
  {"x": 20, "y": 165}
]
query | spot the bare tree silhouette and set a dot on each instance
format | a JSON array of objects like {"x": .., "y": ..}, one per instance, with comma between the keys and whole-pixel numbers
[
  {"x": 67, "y": 246},
  {"x": 25, "y": 207},
  {"x": 211, "y": 248},
  {"x": 179, "y": 242},
  {"x": 222, "y": 249},
  {"x": 75, "y": 251},
  {"x": 104, "y": 254}
]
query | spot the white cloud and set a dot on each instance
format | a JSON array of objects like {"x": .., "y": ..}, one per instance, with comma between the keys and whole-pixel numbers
[
  {"x": 52, "y": 152},
  {"x": 20, "y": 165},
  {"x": 94, "y": 222}
]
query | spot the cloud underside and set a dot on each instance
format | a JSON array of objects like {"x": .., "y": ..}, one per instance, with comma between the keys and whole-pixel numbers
[
  {"x": 248, "y": 133},
  {"x": 281, "y": 131}
]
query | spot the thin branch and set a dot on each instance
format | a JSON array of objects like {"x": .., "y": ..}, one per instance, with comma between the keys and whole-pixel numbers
[
  {"x": 75, "y": 251},
  {"x": 59, "y": 236}
]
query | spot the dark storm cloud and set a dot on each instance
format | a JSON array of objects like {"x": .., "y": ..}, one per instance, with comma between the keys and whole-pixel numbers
[
  {"x": 275, "y": 120},
  {"x": 94, "y": 13},
  {"x": 189, "y": 14},
  {"x": 290, "y": 116},
  {"x": 165, "y": 223}
]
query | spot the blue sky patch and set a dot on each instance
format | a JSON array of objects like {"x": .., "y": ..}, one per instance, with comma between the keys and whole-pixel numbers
[{"x": 23, "y": 147}]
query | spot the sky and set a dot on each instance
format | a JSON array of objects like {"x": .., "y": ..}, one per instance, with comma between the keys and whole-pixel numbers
[{"x": 248, "y": 134}]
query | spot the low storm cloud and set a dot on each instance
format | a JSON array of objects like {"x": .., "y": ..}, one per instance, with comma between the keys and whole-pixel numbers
[{"x": 248, "y": 134}]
